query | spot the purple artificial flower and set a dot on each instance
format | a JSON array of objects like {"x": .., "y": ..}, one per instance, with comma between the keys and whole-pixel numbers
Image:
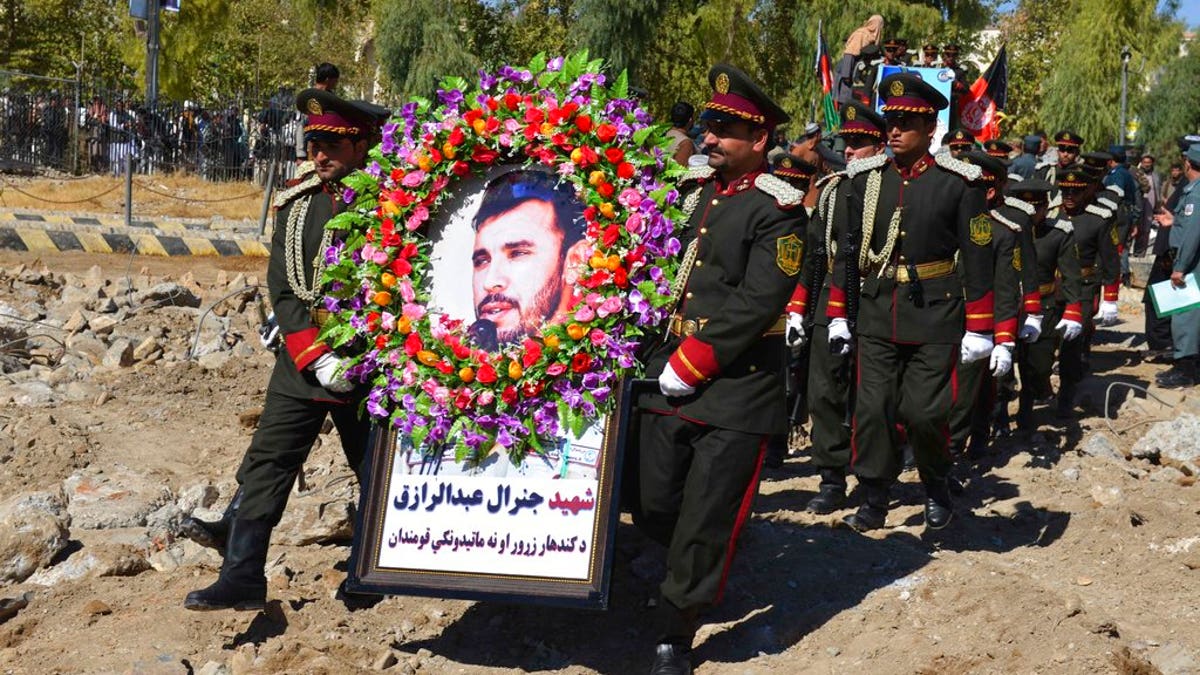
[
  {"x": 452, "y": 98},
  {"x": 486, "y": 80},
  {"x": 348, "y": 195},
  {"x": 332, "y": 304},
  {"x": 373, "y": 169},
  {"x": 373, "y": 403},
  {"x": 555, "y": 64}
]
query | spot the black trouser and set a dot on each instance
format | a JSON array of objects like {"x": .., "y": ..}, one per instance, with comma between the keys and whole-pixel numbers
[
  {"x": 973, "y": 403},
  {"x": 1158, "y": 328},
  {"x": 910, "y": 384},
  {"x": 829, "y": 379},
  {"x": 285, "y": 435},
  {"x": 697, "y": 484}
]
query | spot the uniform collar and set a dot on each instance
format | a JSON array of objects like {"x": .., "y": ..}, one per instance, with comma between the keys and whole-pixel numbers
[
  {"x": 918, "y": 168},
  {"x": 740, "y": 185}
]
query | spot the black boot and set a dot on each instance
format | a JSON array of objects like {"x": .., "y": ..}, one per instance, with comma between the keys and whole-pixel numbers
[
  {"x": 831, "y": 495},
  {"x": 212, "y": 534},
  {"x": 676, "y": 629},
  {"x": 1183, "y": 373},
  {"x": 872, "y": 514},
  {"x": 939, "y": 510},
  {"x": 1066, "y": 401},
  {"x": 242, "y": 584},
  {"x": 1025, "y": 423}
]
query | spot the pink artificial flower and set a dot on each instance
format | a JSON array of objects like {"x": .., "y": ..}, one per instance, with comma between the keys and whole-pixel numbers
[
  {"x": 406, "y": 291},
  {"x": 634, "y": 224},
  {"x": 556, "y": 369},
  {"x": 485, "y": 397},
  {"x": 380, "y": 257},
  {"x": 419, "y": 215},
  {"x": 585, "y": 314},
  {"x": 597, "y": 336},
  {"x": 441, "y": 395},
  {"x": 630, "y": 198},
  {"x": 511, "y": 125},
  {"x": 409, "y": 377},
  {"x": 413, "y": 179},
  {"x": 412, "y": 311},
  {"x": 610, "y": 306},
  {"x": 593, "y": 299},
  {"x": 387, "y": 322}
]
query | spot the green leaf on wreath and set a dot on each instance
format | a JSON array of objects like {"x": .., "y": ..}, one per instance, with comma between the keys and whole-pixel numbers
[
  {"x": 620, "y": 89},
  {"x": 538, "y": 63}
]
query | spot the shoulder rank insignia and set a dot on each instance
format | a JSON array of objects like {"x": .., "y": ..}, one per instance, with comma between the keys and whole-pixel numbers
[
  {"x": 1107, "y": 203},
  {"x": 981, "y": 230},
  {"x": 1017, "y": 258},
  {"x": 1097, "y": 210},
  {"x": 1064, "y": 225},
  {"x": 1005, "y": 221},
  {"x": 829, "y": 179},
  {"x": 863, "y": 165},
  {"x": 971, "y": 172},
  {"x": 312, "y": 182},
  {"x": 789, "y": 253},
  {"x": 698, "y": 173},
  {"x": 1112, "y": 233},
  {"x": 1020, "y": 205},
  {"x": 783, "y": 192},
  {"x": 1120, "y": 191}
]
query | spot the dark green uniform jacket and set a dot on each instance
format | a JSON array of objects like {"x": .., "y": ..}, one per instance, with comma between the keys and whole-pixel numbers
[
  {"x": 1099, "y": 264},
  {"x": 1021, "y": 269},
  {"x": 291, "y": 376},
  {"x": 750, "y": 247},
  {"x": 1058, "y": 271},
  {"x": 942, "y": 225}
]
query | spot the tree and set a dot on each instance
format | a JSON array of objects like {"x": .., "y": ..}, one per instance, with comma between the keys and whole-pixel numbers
[
  {"x": 1083, "y": 91},
  {"x": 1172, "y": 106},
  {"x": 617, "y": 30},
  {"x": 420, "y": 42},
  {"x": 1033, "y": 34}
]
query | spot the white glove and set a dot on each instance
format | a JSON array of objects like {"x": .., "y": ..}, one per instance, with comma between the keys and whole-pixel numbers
[
  {"x": 670, "y": 384},
  {"x": 1001, "y": 360},
  {"x": 839, "y": 337},
  {"x": 1108, "y": 313},
  {"x": 794, "y": 336},
  {"x": 1032, "y": 329},
  {"x": 328, "y": 369},
  {"x": 1070, "y": 329},
  {"x": 975, "y": 346}
]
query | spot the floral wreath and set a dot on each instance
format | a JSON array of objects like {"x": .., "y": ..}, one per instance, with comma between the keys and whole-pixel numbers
[{"x": 428, "y": 380}]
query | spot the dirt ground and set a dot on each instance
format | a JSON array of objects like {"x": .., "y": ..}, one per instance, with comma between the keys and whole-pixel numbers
[
  {"x": 1058, "y": 562},
  {"x": 178, "y": 196}
]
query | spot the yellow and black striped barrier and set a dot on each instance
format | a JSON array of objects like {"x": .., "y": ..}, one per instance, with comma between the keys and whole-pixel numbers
[{"x": 41, "y": 233}]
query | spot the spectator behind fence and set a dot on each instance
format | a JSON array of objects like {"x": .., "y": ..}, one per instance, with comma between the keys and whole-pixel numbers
[{"x": 325, "y": 78}]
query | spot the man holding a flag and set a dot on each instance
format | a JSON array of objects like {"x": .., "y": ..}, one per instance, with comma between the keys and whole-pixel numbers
[{"x": 978, "y": 108}]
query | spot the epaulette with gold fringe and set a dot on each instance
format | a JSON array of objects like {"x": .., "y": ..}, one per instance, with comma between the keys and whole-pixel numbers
[
  {"x": 289, "y": 195},
  {"x": 697, "y": 173},
  {"x": 999, "y": 217},
  {"x": 971, "y": 172},
  {"x": 858, "y": 166},
  {"x": 786, "y": 196},
  {"x": 1020, "y": 205}
]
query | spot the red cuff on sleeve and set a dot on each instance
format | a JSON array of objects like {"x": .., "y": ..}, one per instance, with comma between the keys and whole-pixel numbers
[
  {"x": 304, "y": 348},
  {"x": 1073, "y": 312},
  {"x": 1110, "y": 291},
  {"x": 1006, "y": 331},
  {"x": 836, "y": 309},
  {"x": 1033, "y": 303},
  {"x": 694, "y": 361},
  {"x": 799, "y": 300},
  {"x": 980, "y": 314}
]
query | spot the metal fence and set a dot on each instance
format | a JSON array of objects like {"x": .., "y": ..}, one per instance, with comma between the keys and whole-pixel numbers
[{"x": 47, "y": 123}]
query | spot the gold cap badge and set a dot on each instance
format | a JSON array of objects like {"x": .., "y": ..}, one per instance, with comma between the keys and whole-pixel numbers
[
  {"x": 786, "y": 163},
  {"x": 722, "y": 83},
  {"x": 314, "y": 107},
  {"x": 851, "y": 113},
  {"x": 897, "y": 88}
]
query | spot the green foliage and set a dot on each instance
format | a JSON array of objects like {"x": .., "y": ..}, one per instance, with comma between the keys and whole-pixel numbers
[
  {"x": 1033, "y": 36},
  {"x": 1172, "y": 106},
  {"x": 1083, "y": 91},
  {"x": 422, "y": 41}
]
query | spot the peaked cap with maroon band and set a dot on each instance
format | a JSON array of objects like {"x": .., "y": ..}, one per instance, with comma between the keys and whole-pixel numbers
[
  {"x": 331, "y": 117},
  {"x": 792, "y": 167},
  {"x": 1068, "y": 138},
  {"x": 907, "y": 93},
  {"x": 861, "y": 119},
  {"x": 736, "y": 97},
  {"x": 998, "y": 149},
  {"x": 958, "y": 137}
]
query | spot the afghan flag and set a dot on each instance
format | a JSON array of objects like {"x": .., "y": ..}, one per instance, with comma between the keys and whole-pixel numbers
[
  {"x": 824, "y": 70},
  {"x": 980, "y": 107}
]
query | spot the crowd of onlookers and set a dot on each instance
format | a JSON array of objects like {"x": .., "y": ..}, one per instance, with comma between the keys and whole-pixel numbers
[{"x": 105, "y": 134}]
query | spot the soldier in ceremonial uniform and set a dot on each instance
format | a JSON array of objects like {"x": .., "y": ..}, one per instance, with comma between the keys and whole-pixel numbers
[
  {"x": 1067, "y": 144},
  {"x": 1058, "y": 285},
  {"x": 720, "y": 369},
  {"x": 959, "y": 87},
  {"x": 958, "y": 142},
  {"x": 929, "y": 54},
  {"x": 891, "y": 52},
  {"x": 1110, "y": 198},
  {"x": 970, "y": 426},
  {"x": 998, "y": 149},
  {"x": 1099, "y": 268},
  {"x": 829, "y": 375},
  {"x": 307, "y": 384},
  {"x": 920, "y": 219}
]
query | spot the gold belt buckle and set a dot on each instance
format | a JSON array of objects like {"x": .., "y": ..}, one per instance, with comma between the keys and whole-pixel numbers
[
  {"x": 890, "y": 271},
  {"x": 689, "y": 327}
]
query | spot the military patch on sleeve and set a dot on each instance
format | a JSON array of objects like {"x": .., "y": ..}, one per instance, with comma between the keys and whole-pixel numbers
[
  {"x": 1187, "y": 210},
  {"x": 1112, "y": 232},
  {"x": 1017, "y": 258},
  {"x": 789, "y": 253},
  {"x": 981, "y": 230}
]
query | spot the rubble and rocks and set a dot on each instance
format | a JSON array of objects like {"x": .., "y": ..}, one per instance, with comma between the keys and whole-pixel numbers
[{"x": 33, "y": 530}]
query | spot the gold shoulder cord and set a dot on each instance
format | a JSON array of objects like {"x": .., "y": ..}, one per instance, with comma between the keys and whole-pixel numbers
[
  {"x": 294, "y": 252},
  {"x": 826, "y": 207},
  {"x": 689, "y": 257},
  {"x": 866, "y": 257}
]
